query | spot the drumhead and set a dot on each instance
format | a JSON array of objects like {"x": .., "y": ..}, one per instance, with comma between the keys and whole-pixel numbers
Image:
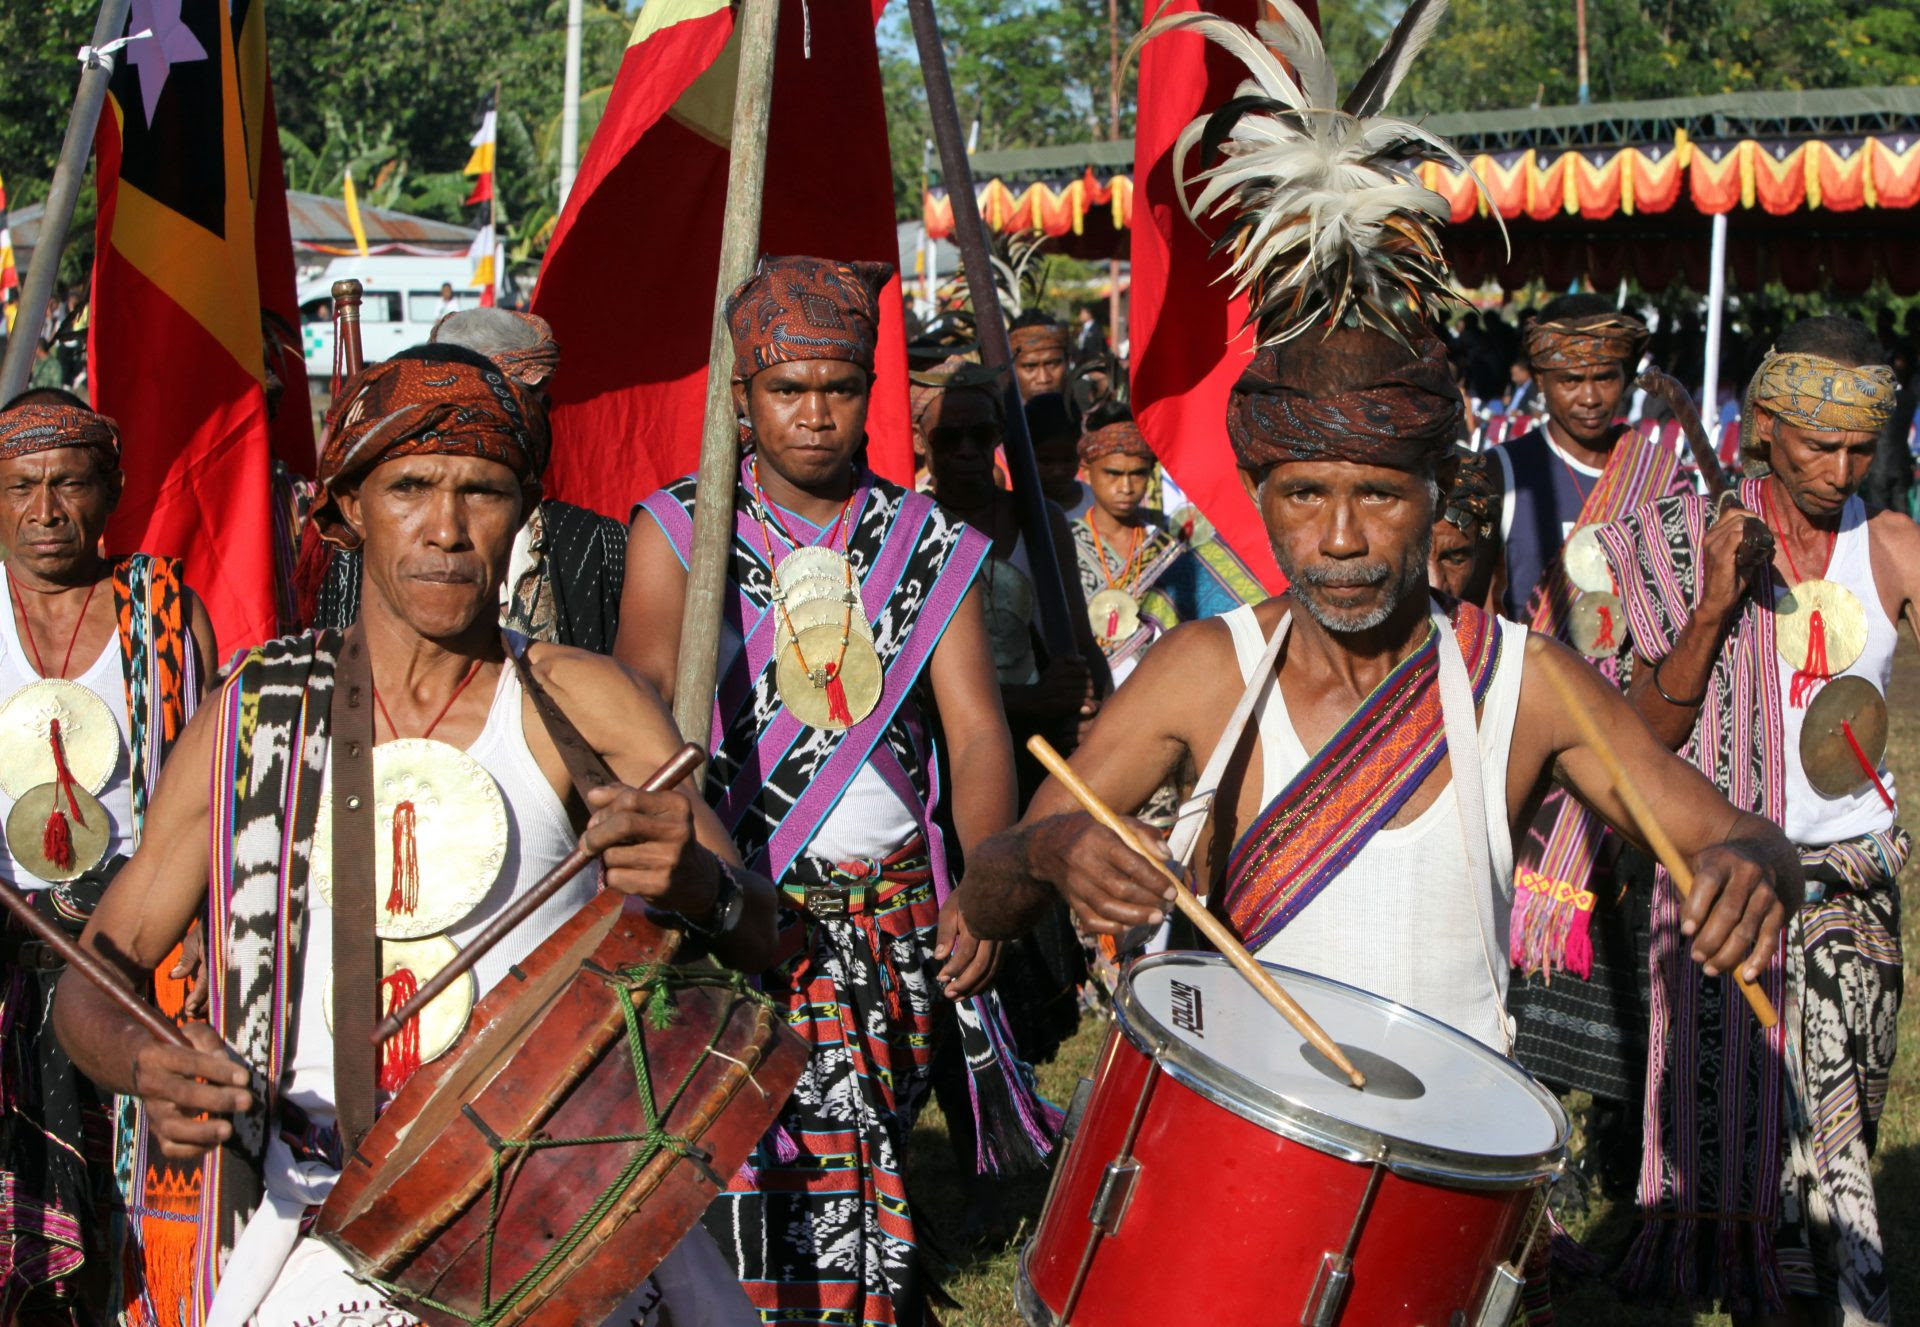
[{"x": 1437, "y": 1101}]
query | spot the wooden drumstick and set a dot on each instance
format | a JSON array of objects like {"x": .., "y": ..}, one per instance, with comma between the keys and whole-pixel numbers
[
  {"x": 1210, "y": 926},
  {"x": 1642, "y": 815},
  {"x": 80, "y": 960},
  {"x": 683, "y": 762}
]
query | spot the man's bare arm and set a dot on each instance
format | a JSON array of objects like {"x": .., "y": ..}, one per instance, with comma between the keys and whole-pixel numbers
[
  {"x": 145, "y": 912},
  {"x": 651, "y": 603},
  {"x": 1138, "y": 739},
  {"x": 1747, "y": 877},
  {"x": 623, "y": 719}
]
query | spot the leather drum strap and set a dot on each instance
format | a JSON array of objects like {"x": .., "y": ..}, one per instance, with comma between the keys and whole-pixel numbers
[
  {"x": 585, "y": 766},
  {"x": 356, "y": 947}
]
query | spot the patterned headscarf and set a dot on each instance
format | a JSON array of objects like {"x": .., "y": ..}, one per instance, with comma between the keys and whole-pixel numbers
[
  {"x": 1038, "y": 336},
  {"x": 1120, "y": 438},
  {"x": 41, "y": 426},
  {"x": 1474, "y": 500},
  {"x": 1403, "y": 419},
  {"x": 806, "y": 308},
  {"x": 956, "y": 373},
  {"x": 416, "y": 406},
  {"x": 521, "y": 344},
  {"x": 1817, "y": 393},
  {"x": 1592, "y": 339}
]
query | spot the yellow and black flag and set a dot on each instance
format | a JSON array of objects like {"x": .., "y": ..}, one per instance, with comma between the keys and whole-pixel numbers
[{"x": 193, "y": 258}]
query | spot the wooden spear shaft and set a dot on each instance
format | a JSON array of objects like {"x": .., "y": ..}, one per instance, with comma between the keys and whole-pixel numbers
[
  {"x": 970, "y": 233},
  {"x": 56, "y": 218},
  {"x": 699, "y": 665}
]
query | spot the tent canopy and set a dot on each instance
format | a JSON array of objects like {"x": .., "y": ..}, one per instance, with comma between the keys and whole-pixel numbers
[{"x": 1819, "y": 185}]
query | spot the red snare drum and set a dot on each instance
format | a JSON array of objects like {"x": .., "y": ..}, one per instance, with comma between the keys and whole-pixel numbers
[{"x": 1223, "y": 1172}]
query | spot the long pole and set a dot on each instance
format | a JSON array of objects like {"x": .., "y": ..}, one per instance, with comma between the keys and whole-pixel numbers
[
  {"x": 1716, "y": 317},
  {"x": 719, "y": 440},
  {"x": 570, "y": 107},
  {"x": 976, "y": 258},
  {"x": 83, "y": 961},
  {"x": 1580, "y": 23},
  {"x": 57, "y": 217}
]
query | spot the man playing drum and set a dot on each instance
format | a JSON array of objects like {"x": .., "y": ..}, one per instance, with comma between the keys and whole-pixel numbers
[
  {"x": 101, "y": 662},
  {"x": 1771, "y": 678},
  {"x": 434, "y": 461}
]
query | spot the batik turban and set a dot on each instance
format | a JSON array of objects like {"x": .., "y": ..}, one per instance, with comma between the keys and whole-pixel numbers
[
  {"x": 428, "y": 407},
  {"x": 1404, "y": 419},
  {"x": 1038, "y": 336},
  {"x": 1586, "y": 342},
  {"x": 806, "y": 308},
  {"x": 1120, "y": 438},
  {"x": 1475, "y": 496},
  {"x": 1821, "y": 394},
  {"x": 41, "y": 426},
  {"x": 521, "y": 344}
]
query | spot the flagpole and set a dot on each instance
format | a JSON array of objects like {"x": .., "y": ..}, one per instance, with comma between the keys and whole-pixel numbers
[
  {"x": 699, "y": 664},
  {"x": 56, "y": 219},
  {"x": 570, "y": 106},
  {"x": 976, "y": 260}
]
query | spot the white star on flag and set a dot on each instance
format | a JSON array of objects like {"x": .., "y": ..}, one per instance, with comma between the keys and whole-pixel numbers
[{"x": 172, "y": 43}]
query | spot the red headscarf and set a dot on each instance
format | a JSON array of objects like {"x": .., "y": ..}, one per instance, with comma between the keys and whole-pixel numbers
[
  {"x": 1037, "y": 336},
  {"x": 806, "y": 308},
  {"x": 1403, "y": 418},
  {"x": 1122, "y": 437},
  {"x": 414, "y": 405},
  {"x": 42, "y": 426}
]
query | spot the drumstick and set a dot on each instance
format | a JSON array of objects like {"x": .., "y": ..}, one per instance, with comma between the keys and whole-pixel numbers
[
  {"x": 1210, "y": 926},
  {"x": 683, "y": 762},
  {"x": 1642, "y": 816},
  {"x": 83, "y": 962}
]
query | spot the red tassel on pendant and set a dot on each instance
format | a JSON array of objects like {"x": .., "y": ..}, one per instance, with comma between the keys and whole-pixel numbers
[
  {"x": 1113, "y": 624},
  {"x": 400, "y": 1056},
  {"x": 837, "y": 697},
  {"x": 404, "y": 894},
  {"x": 56, "y": 840},
  {"x": 1806, "y": 679},
  {"x": 56, "y": 843}
]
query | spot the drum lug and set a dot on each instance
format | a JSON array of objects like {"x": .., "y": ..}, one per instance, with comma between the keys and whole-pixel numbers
[
  {"x": 1111, "y": 1199},
  {"x": 1329, "y": 1294},
  {"x": 1070, "y": 1125},
  {"x": 1501, "y": 1298}
]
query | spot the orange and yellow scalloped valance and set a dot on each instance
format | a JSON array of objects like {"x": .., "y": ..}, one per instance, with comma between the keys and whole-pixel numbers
[{"x": 1778, "y": 175}]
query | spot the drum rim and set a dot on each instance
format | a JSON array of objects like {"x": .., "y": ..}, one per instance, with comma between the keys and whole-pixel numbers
[{"x": 1225, "y": 1087}]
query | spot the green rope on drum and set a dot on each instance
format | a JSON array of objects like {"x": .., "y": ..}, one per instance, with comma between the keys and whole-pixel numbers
[{"x": 652, "y": 985}]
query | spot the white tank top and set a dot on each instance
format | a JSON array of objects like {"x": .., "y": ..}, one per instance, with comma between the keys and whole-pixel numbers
[
  {"x": 1812, "y": 818},
  {"x": 538, "y": 837},
  {"x": 106, "y": 679},
  {"x": 1403, "y": 920}
]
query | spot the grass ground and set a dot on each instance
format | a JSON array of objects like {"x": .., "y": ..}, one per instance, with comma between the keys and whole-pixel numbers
[{"x": 1002, "y": 1216}]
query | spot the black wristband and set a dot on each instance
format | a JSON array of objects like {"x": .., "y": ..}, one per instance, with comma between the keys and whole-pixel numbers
[{"x": 1675, "y": 701}]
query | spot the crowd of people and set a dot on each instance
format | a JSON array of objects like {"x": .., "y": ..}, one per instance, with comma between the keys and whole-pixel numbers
[{"x": 1416, "y": 771}]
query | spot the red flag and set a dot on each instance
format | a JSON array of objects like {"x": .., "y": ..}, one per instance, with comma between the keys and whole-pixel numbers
[
  {"x": 192, "y": 245},
  {"x": 629, "y": 278},
  {"x": 1188, "y": 346}
]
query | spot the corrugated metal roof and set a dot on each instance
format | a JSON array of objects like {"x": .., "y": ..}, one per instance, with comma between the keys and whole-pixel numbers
[{"x": 315, "y": 219}]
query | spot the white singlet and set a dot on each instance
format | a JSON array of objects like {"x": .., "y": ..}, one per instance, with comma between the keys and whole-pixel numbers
[
  {"x": 106, "y": 679},
  {"x": 1812, "y": 818},
  {"x": 1402, "y": 920}
]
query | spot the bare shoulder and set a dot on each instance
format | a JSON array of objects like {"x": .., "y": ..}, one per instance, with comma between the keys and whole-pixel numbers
[
  {"x": 576, "y": 675},
  {"x": 1894, "y": 541}
]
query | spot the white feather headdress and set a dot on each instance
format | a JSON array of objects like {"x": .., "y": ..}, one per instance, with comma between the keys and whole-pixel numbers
[{"x": 1329, "y": 223}]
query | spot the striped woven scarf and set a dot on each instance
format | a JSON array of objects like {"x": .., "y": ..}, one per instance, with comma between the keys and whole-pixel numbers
[
  {"x": 1352, "y": 787},
  {"x": 1551, "y": 903}
]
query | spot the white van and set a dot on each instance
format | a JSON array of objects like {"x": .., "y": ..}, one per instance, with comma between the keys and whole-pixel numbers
[{"x": 399, "y": 306}]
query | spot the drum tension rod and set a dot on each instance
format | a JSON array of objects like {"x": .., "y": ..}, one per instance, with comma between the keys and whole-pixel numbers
[{"x": 1335, "y": 1277}]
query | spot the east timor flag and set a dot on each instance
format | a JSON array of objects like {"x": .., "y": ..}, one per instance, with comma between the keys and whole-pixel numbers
[
  {"x": 629, "y": 278},
  {"x": 192, "y": 250}
]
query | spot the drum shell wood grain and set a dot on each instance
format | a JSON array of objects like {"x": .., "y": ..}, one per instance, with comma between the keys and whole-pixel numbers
[
  {"x": 1228, "y": 1222},
  {"x": 546, "y": 1052}
]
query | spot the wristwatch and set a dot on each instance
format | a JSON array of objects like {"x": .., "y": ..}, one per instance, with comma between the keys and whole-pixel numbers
[{"x": 729, "y": 904}]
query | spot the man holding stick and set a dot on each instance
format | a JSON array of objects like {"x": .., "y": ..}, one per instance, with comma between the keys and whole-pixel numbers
[
  {"x": 123, "y": 643},
  {"x": 1769, "y": 674},
  {"x": 853, "y": 622},
  {"x": 434, "y": 461}
]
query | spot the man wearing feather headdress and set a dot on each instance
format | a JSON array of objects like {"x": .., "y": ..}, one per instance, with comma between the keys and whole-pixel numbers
[{"x": 1365, "y": 829}]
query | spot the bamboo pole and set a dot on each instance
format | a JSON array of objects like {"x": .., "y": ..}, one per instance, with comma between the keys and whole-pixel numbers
[
  {"x": 1196, "y": 912},
  {"x": 970, "y": 234},
  {"x": 56, "y": 219},
  {"x": 1642, "y": 815},
  {"x": 699, "y": 665}
]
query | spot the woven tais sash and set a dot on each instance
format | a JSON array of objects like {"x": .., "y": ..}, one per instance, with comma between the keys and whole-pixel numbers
[{"x": 1351, "y": 788}]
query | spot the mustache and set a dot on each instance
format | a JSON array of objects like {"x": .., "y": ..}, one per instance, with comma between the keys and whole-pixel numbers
[{"x": 1345, "y": 575}]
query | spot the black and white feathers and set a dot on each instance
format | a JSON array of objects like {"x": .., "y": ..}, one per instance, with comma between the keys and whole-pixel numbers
[{"x": 1327, "y": 221}]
